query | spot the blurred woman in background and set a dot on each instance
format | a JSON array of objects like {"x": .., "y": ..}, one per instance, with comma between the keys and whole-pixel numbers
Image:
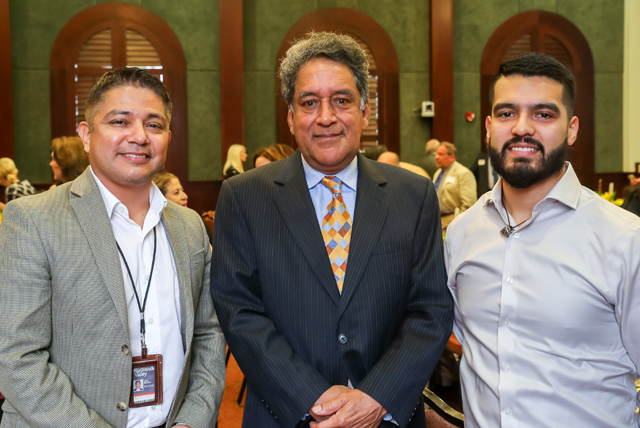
[
  {"x": 14, "y": 188},
  {"x": 171, "y": 188},
  {"x": 271, "y": 153},
  {"x": 68, "y": 159},
  {"x": 236, "y": 156}
]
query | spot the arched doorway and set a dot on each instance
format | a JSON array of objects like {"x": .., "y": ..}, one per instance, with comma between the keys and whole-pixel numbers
[
  {"x": 554, "y": 35},
  {"x": 114, "y": 35},
  {"x": 383, "y": 77}
]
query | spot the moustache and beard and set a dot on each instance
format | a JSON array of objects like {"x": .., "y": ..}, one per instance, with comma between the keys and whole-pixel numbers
[{"x": 523, "y": 174}]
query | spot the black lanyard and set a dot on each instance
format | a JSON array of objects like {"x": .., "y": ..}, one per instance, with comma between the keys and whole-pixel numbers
[{"x": 142, "y": 306}]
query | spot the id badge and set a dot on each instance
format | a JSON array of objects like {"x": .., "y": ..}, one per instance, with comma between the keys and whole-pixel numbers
[{"x": 146, "y": 381}]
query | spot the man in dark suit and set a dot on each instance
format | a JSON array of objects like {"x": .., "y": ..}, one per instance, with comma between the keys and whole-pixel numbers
[{"x": 329, "y": 277}]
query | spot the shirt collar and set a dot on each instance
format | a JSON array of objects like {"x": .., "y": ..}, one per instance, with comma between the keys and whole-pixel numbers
[
  {"x": 348, "y": 176},
  {"x": 157, "y": 201},
  {"x": 566, "y": 191}
]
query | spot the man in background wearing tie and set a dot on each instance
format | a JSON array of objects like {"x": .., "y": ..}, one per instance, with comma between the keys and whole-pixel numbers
[
  {"x": 455, "y": 184},
  {"x": 329, "y": 282}
]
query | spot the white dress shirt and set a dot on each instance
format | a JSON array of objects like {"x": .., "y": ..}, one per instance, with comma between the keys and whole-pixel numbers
[
  {"x": 162, "y": 311},
  {"x": 549, "y": 318}
]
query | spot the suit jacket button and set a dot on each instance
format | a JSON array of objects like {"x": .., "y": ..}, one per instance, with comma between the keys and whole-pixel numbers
[
  {"x": 125, "y": 350},
  {"x": 122, "y": 407},
  {"x": 342, "y": 339}
]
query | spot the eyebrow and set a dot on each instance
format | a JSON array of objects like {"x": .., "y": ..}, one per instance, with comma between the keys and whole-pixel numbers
[
  {"x": 339, "y": 92},
  {"x": 540, "y": 106},
  {"x": 116, "y": 112}
]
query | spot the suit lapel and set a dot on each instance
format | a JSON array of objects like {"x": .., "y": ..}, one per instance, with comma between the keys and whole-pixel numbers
[
  {"x": 371, "y": 211},
  {"x": 295, "y": 205},
  {"x": 92, "y": 216},
  {"x": 174, "y": 228}
]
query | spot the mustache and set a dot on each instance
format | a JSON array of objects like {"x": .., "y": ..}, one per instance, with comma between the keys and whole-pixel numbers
[{"x": 526, "y": 140}]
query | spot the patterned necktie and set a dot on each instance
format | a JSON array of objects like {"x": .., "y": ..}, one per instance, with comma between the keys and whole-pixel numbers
[{"x": 336, "y": 230}]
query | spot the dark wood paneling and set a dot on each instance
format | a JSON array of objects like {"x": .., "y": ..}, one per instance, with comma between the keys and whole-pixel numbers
[
  {"x": 231, "y": 75},
  {"x": 6, "y": 87},
  {"x": 442, "y": 69},
  {"x": 119, "y": 16},
  {"x": 539, "y": 23},
  {"x": 203, "y": 195},
  {"x": 376, "y": 38}
]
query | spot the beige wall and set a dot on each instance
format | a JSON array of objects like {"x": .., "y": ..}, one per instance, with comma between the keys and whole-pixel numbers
[{"x": 631, "y": 85}]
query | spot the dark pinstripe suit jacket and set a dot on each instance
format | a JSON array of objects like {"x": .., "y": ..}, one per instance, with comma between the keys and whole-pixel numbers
[{"x": 279, "y": 305}]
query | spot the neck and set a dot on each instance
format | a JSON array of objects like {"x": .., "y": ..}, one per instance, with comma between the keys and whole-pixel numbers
[
  {"x": 520, "y": 202},
  {"x": 135, "y": 198}
]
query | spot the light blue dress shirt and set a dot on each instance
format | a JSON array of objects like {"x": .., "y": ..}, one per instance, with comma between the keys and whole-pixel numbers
[{"x": 321, "y": 196}]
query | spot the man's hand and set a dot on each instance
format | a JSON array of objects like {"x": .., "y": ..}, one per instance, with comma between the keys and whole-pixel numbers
[
  {"x": 352, "y": 408},
  {"x": 328, "y": 395}
]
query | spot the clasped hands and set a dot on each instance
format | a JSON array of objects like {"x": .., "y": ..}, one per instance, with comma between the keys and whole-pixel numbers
[{"x": 341, "y": 407}]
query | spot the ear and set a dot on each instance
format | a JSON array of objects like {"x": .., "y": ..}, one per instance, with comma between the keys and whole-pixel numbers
[
  {"x": 574, "y": 124},
  {"x": 290, "y": 119},
  {"x": 85, "y": 135},
  {"x": 169, "y": 140},
  {"x": 366, "y": 113},
  {"x": 487, "y": 125}
]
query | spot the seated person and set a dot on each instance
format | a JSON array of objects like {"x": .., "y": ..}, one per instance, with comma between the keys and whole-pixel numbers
[
  {"x": 171, "y": 188},
  {"x": 271, "y": 153},
  {"x": 393, "y": 159},
  {"x": 14, "y": 188},
  {"x": 236, "y": 156},
  {"x": 374, "y": 152},
  {"x": 68, "y": 159}
]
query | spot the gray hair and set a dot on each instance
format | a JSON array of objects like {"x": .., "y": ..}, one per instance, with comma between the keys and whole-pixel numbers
[{"x": 336, "y": 47}]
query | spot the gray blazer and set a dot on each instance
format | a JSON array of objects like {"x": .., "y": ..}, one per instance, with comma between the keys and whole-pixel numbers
[{"x": 64, "y": 347}]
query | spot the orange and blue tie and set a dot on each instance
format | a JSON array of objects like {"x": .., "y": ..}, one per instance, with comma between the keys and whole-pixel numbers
[{"x": 336, "y": 230}]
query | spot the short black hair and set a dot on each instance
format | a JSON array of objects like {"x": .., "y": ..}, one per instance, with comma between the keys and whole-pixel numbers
[
  {"x": 534, "y": 64},
  {"x": 127, "y": 76}
]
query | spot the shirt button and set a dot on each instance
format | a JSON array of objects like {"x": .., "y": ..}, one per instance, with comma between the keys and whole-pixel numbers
[
  {"x": 342, "y": 339},
  {"x": 125, "y": 350},
  {"x": 150, "y": 320},
  {"x": 516, "y": 235},
  {"x": 510, "y": 280},
  {"x": 507, "y": 367},
  {"x": 122, "y": 407},
  {"x": 121, "y": 209},
  {"x": 153, "y": 407},
  {"x": 147, "y": 277},
  {"x": 506, "y": 322},
  {"x": 507, "y": 412}
]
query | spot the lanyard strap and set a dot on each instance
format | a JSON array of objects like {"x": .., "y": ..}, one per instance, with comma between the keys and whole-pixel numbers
[{"x": 142, "y": 306}]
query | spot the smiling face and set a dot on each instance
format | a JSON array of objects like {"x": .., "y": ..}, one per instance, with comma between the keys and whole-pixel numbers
[
  {"x": 129, "y": 141},
  {"x": 175, "y": 192},
  {"x": 529, "y": 130},
  {"x": 326, "y": 119}
]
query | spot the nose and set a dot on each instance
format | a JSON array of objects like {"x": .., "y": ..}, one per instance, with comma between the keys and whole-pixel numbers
[
  {"x": 523, "y": 126},
  {"x": 326, "y": 114},
  {"x": 138, "y": 133}
]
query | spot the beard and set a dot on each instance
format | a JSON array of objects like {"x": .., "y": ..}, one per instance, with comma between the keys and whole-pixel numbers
[{"x": 523, "y": 174}]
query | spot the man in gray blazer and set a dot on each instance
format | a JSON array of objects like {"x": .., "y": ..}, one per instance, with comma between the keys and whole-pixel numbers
[{"x": 77, "y": 264}]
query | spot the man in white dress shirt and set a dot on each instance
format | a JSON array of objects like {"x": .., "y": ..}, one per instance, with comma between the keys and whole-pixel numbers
[
  {"x": 99, "y": 271},
  {"x": 545, "y": 273}
]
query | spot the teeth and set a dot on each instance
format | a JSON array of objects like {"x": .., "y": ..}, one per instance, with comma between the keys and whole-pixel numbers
[
  {"x": 136, "y": 156},
  {"x": 523, "y": 149}
]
